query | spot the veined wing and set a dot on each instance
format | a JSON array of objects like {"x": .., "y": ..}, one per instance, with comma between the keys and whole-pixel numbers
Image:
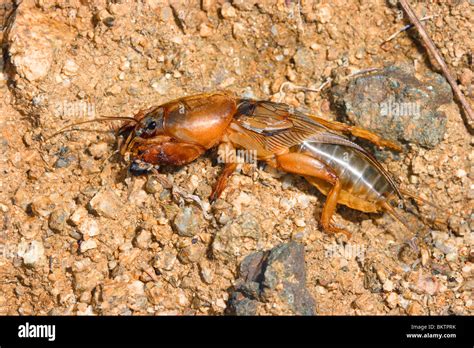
[{"x": 268, "y": 118}]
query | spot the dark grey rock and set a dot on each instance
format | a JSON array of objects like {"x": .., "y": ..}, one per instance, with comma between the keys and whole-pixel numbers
[
  {"x": 396, "y": 105},
  {"x": 241, "y": 305},
  {"x": 279, "y": 272}
]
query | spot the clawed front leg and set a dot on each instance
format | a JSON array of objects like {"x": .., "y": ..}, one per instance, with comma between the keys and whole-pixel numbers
[{"x": 171, "y": 153}]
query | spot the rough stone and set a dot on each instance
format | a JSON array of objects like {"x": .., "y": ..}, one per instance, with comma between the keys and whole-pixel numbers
[
  {"x": 187, "y": 222},
  {"x": 107, "y": 204},
  {"x": 32, "y": 253},
  {"x": 58, "y": 220},
  {"x": 304, "y": 61},
  {"x": 88, "y": 245},
  {"x": 276, "y": 275},
  {"x": 192, "y": 253},
  {"x": 396, "y": 104},
  {"x": 33, "y": 41},
  {"x": 228, "y": 242}
]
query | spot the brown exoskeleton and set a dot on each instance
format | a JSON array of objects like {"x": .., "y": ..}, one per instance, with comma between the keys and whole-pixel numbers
[{"x": 178, "y": 132}]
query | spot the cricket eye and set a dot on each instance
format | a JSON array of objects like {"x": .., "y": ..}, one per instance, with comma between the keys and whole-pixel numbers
[{"x": 151, "y": 126}]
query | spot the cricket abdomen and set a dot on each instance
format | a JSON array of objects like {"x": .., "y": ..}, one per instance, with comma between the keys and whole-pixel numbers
[{"x": 358, "y": 176}]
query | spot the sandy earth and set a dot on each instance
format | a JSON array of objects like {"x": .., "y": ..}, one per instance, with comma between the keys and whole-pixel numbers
[{"x": 81, "y": 236}]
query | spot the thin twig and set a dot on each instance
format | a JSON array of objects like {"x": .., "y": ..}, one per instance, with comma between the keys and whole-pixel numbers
[
  {"x": 292, "y": 86},
  {"x": 362, "y": 72},
  {"x": 434, "y": 51},
  {"x": 405, "y": 28}
]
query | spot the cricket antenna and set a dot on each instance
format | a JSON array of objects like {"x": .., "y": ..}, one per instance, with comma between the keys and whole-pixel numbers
[{"x": 100, "y": 119}]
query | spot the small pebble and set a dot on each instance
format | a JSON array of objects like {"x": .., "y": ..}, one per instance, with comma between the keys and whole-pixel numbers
[
  {"x": 164, "y": 261},
  {"x": 58, "y": 220},
  {"x": 207, "y": 273},
  {"x": 138, "y": 197},
  {"x": 221, "y": 303},
  {"x": 228, "y": 11},
  {"x": 323, "y": 13},
  {"x": 187, "y": 222},
  {"x": 460, "y": 173},
  {"x": 88, "y": 245},
  {"x": 452, "y": 257},
  {"x": 143, "y": 239},
  {"x": 4, "y": 208},
  {"x": 107, "y": 204},
  {"x": 468, "y": 285},
  {"x": 205, "y": 30},
  {"x": 388, "y": 286},
  {"x": 244, "y": 5},
  {"x": 360, "y": 54},
  {"x": 424, "y": 257},
  {"x": 64, "y": 162},
  {"x": 304, "y": 201},
  {"x": 98, "y": 150},
  {"x": 70, "y": 68},
  {"x": 413, "y": 179},
  {"x": 152, "y": 185},
  {"x": 286, "y": 204},
  {"x": 31, "y": 253},
  {"x": 160, "y": 85},
  {"x": 109, "y": 21},
  {"x": 467, "y": 76},
  {"x": 84, "y": 309},
  {"x": 136, "y": 288},
  {"x": 304, "y": 62},
  {"x": 88, "y": 227},
  {"x": 332, "y": 54},
  {"x": 392, "y": 300},
  {"x": 415, "y": 309},
  {"x": 192, "y": 253},
  {"x": 300, "y": 222},
  {"x": 78, "y": 215},
  {"x": 206, "y": 5}
]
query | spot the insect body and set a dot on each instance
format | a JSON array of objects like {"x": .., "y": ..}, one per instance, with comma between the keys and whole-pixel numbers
[{"x": 178, "y": 132}]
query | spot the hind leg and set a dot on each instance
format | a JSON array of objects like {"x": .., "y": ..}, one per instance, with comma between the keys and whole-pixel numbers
[
  {"x": 305, "y": 165},
  {"x": 359, "y": 133}
]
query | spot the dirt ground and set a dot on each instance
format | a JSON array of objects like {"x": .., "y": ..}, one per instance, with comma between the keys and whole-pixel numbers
[{"x": 80, "y": 236}]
